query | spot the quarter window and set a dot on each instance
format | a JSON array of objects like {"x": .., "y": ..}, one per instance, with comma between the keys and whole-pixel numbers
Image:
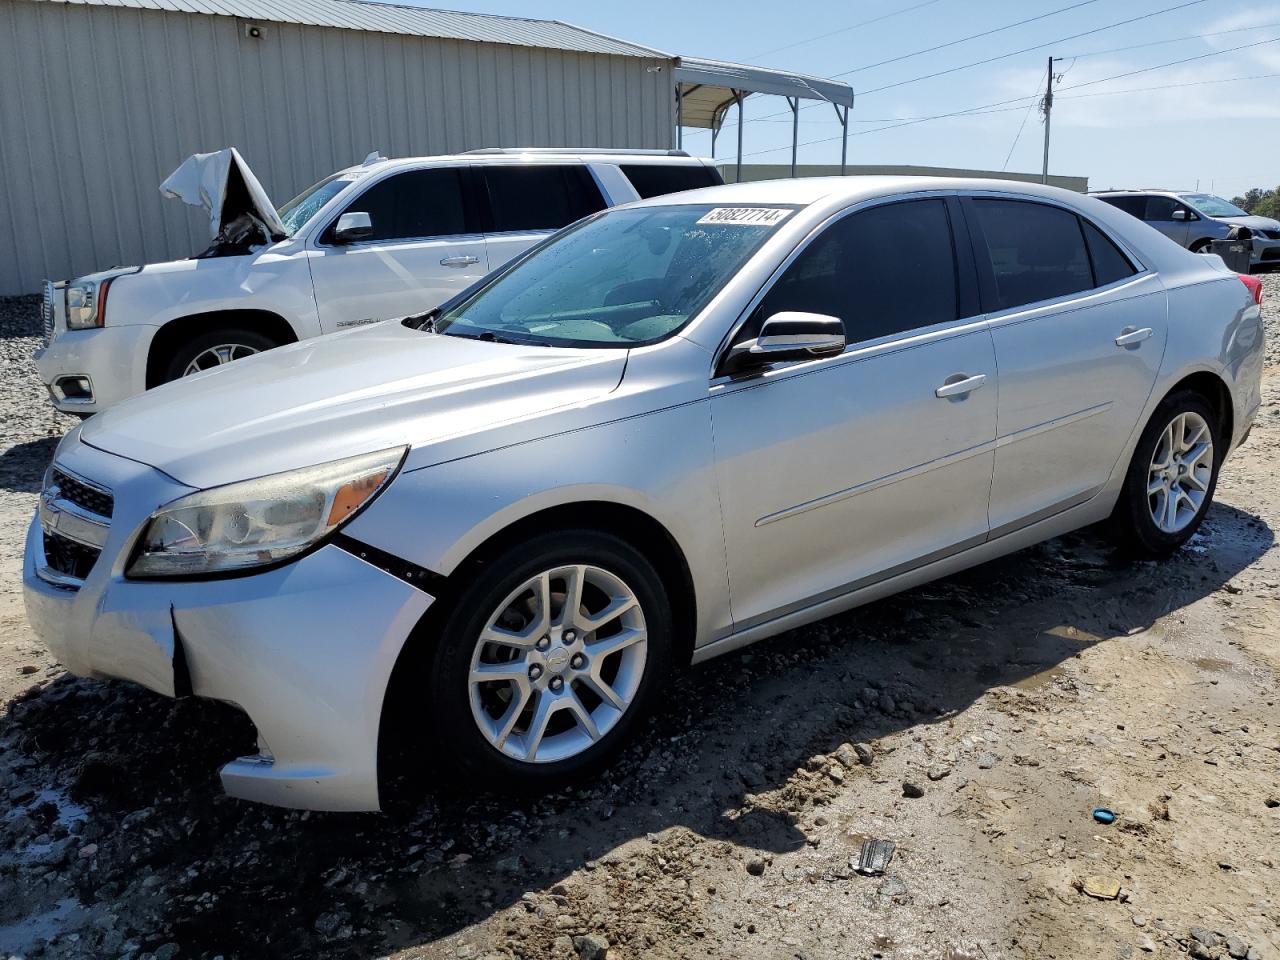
[
  {"x": 1133, "y": 205},
  {"x": 882, "y": 271},
  {"x": 657, "y": 179},
  {"x": 541, "y": 197},
  {"x": 419, "y": 203},
  {"x": 1109, "y": 264},
  {"x": 1037, "y": 252}
]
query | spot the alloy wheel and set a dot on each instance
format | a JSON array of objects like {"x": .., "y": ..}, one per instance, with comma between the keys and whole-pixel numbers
[
  {"x": 217, "y": 356},
  {"x": 558, "y": 663},
  {"x": 1180, "y": 472}
]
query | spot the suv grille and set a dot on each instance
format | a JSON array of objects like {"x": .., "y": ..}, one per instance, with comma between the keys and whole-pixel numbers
[
  {"x": 46, "y": 312},
  {"x": 82, "y": 495},
  {"x": 68, "y": 557}
]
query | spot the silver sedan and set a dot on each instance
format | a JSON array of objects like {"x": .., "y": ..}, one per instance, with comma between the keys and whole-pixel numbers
[{"x": 485, "y": 536}]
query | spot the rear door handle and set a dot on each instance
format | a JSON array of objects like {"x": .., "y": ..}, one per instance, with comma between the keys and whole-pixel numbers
[
  {"x": 1130, "y": 337},
  {"x": 463, "y": 261},
  {"x": 958, "y": 385}
]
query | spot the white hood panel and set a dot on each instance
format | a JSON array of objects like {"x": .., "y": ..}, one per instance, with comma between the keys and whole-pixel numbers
[{"x": 347, "y": 393}]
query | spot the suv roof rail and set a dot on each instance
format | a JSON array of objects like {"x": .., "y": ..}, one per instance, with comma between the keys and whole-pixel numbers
[{"x": 620, "y": 151}]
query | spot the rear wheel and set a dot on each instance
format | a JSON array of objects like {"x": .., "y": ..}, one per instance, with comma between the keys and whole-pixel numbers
[
  {"x": 1171, "y": 478},
  {"x": 214, "y": 349},
  {"x": 548, "y": 659}
]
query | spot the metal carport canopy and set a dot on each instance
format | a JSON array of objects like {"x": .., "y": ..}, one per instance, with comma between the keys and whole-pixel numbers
[{"x": 706, "y": 89}]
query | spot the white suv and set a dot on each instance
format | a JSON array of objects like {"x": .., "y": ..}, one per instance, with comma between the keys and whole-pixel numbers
[{"x": 384, "y": 239}]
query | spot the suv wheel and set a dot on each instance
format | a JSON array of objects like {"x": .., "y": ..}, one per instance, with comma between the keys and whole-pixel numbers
[
  {"x": 214, "y": 349},
  {"x": 548, "y": 659},
  {"x": 1171, "y": 478}
]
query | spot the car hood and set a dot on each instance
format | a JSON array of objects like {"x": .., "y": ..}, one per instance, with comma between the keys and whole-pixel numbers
[
  {"x": 1253, "y": 223},
  {"x": 344, "y": 394}
]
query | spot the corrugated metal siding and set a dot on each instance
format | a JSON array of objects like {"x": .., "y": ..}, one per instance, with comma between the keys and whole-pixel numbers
[
  {"x": 102, "y": 102},
  {"x": 405, "y": 20}
]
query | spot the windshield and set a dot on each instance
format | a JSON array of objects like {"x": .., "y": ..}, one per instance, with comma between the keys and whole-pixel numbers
[
  {"x": 1212, "y": 206},
  {"x": 624, "y": 278},
  {"x": 305, "y": 205}
]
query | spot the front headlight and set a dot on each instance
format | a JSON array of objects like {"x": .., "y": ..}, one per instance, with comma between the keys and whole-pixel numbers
[
  {"x": 87, "y": 298},
  {"x": 259, "y": 522}
]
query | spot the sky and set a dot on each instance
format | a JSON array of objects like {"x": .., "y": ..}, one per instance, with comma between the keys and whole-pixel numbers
[{"x": 1191, "y": 125}]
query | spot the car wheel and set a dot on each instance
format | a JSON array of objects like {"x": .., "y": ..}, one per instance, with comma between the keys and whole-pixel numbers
[
  {"x": 548, "y": 659},
  {"x": 1171, "y": 478},
  {"x": 214, "y": 349}
]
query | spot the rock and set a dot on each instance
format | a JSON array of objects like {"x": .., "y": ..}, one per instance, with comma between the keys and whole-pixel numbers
[
  {"x": 1236, "y": 948},
  {"x": 1147, "y": 945},
  {"x": 27, "y": 669},
  {"x": 892, "y": 887},
  {"x": 1139, "y": 921},
  {"x": 88, "y": 851},
  {"x": 1200, "y": 951},
  {"x": 912, "y": 790},
  {"x": 1100, "y": 888},
  {"x": 328, "y": 924},
  {"x": 591, "y": 946},
  {"x": 755, "y": 866},
  {"x": 847, "y": 756},
  {"x": 886, "y": 703},
  {"x": 752, "y": 775},
  {"x": 1206, "y": 937},
  {"x": 167, "y": 952},
  {"x": 938, "y": 772},
  {"x": 987, "y": 761},
  {"x": 866, "y": 756}
]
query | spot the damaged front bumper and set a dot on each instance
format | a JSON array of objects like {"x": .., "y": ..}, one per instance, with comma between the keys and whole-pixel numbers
[{"x": 306, "y": 650}]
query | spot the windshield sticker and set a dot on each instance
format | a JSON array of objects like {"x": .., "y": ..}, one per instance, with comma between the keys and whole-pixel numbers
[{"x": 746, "y": 216}]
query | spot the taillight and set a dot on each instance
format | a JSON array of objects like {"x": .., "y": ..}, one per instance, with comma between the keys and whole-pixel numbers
[{"x": 1255, "y": 287}]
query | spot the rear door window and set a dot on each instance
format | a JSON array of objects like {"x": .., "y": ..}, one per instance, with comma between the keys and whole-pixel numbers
[
  {"x": 1037, "y": 252},
  {"x": 1109, "y": 263},
  {"x": 656, "y": 180},
  {"x": 415, "y": 204},
  {"x": 1160, "y": 209},
  {"x": 540, "y": 197},
  {"x": 882, "y": 271}
]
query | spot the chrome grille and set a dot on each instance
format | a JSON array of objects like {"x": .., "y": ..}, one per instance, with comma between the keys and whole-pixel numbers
[
  {"x": 75, "y": 517},
  {"x": 46, "y": 312}
]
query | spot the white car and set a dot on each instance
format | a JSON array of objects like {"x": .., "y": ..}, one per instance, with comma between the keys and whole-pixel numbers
[
  {"x": 486, "y": 535},
  {"x": 384, "y": 239}
]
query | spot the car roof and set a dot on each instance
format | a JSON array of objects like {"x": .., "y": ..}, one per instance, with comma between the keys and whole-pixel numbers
[{"x": 487, "y": 157}]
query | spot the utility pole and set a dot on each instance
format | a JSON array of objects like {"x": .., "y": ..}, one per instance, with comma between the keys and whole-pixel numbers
[{"x": 1047, "y": 106}]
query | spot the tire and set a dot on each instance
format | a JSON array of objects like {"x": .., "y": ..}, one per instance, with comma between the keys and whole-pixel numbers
[
  {"x": 458, "y": 707},
  {"x": 1200, "y": 246},
  {"x": 244, "y": 343},
  {"x": 1133, "y": 522}
]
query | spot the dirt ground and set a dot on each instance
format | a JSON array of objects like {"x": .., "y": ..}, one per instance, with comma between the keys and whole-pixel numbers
[{"x": 975, "y": 722}]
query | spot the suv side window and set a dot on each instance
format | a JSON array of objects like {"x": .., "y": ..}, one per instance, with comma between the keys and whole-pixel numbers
[
  {"x": 415, "y": 204},
  {"x": 541, "y": 196},
  {"x": 884, "y": 270},
  {"x": 1134, "y": 205},
  {"x": 1160, "y": 208},
  {"x": 1037, "y": 251},
  {"x": 657, "y": 179}
]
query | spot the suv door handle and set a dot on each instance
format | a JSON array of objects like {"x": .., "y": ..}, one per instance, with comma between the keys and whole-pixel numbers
[
  {"x": 1131, "y": 337},
  {"x": 464, "y": 261},
  {"x": 958, "y": 385}
]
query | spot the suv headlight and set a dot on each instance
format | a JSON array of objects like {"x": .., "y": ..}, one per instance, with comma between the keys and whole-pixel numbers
[
  {"x": 87, "y": 298},
  {"x": 256, "y": 523}
]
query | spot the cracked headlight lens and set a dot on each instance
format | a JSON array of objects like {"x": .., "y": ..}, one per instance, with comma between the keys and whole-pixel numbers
[{"x": 260, "y": 522}]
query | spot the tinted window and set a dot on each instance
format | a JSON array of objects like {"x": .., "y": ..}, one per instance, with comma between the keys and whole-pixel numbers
[
  {"x": 1109, "y": 264},
  {"x": 882, "y": 271},
  {"x": 1161, "y": 208},
  {"x": 1133, "y": 205},
  {"x": 1037, "y": 251},
  {"x": 420, "y": 203},
  {"x": 654, "y": 180},
  {"x": 543, "y": 197}
]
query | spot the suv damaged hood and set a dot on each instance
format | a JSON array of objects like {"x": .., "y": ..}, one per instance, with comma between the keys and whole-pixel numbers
[
  {"x": 222, "y": 184},
  {"x": 344, "y": 394}
]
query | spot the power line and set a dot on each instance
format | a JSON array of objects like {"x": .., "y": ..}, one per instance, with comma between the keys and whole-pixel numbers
[
  {"x": 1172, "y": 63},
  {"x": 1169, "y": 86},
  {"x": 1038, "y": 46},
  {"x": 1190, "y": 36},
  {"x": 1003, "y": 56},
  {"x": 972, "y": 36},
  {"x": 1021, "y": 127},
  {"x": 852, "y": 26}
]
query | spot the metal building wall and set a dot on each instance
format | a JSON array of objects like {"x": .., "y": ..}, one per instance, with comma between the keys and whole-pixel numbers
[{"x": 99, "y": 104}]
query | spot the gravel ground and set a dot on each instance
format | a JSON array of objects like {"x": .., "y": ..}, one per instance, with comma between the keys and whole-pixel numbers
[{"x": 975, "y": 722}]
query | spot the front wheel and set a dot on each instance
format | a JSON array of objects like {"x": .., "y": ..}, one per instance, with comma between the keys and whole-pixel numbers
[
  {"x": 214, "y": 349},
  {"x": 549, "y": 658},
  {"x": 1171, "y": 478}
]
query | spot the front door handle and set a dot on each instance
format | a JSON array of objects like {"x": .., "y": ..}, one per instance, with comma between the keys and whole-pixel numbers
[
  {"x": 1132, "y": 336},
  {"x": 463, "y": 261},
  {"x": 959, "y": 385}
]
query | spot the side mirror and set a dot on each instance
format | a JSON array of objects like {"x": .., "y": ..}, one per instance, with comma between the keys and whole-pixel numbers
[
  {"x": 352, "y": 228},
  {"x": 1180, "y": 215},
  {"x": 788, "y": 336}
]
